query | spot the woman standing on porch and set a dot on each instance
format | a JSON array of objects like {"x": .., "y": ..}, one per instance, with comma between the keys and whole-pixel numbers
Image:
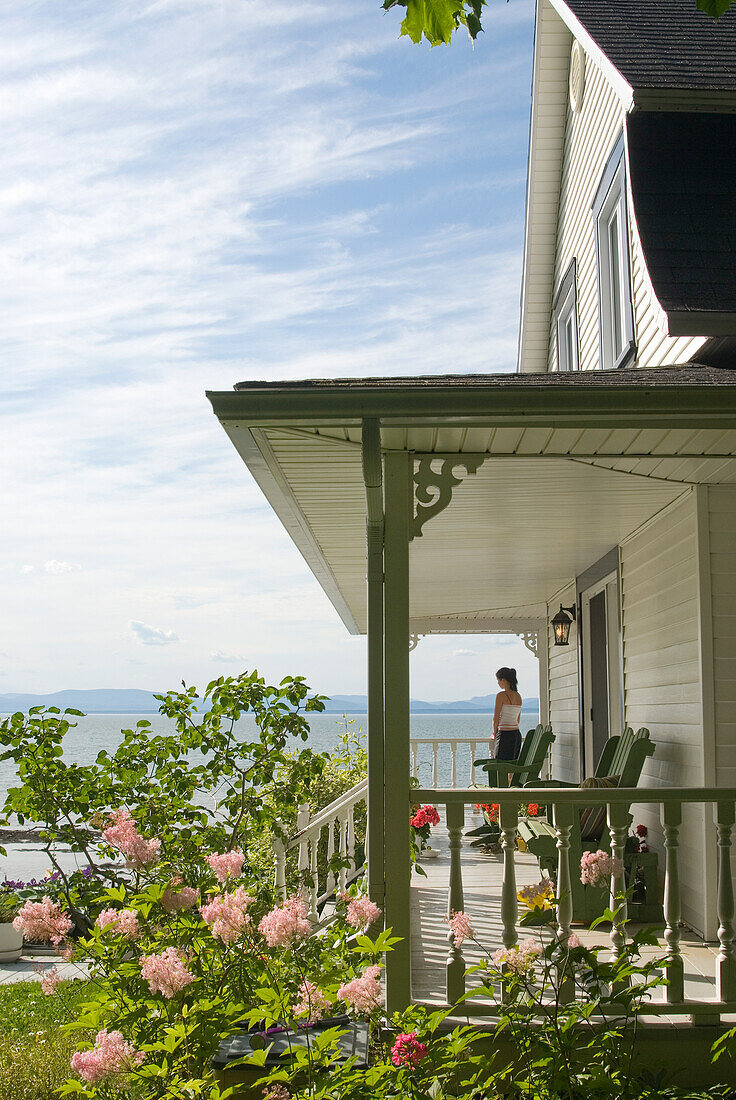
[{"x": 507, "y": 715}]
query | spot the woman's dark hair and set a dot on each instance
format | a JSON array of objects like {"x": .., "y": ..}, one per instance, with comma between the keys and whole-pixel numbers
[{"x": 510, "y": 675}]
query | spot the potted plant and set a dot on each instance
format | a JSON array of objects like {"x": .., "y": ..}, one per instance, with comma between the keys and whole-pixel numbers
[{"x": 11, "y": 942}]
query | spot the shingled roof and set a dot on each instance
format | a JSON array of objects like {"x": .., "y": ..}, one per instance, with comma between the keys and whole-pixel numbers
[{"x": 663, "y": 44}]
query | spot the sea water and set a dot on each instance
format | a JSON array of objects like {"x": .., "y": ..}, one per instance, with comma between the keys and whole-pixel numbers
[{"x": 95, "y": 732}]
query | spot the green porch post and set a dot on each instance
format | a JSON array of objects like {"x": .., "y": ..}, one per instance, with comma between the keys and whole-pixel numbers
[
  {"x": 372, "y": 477},
  {"x": 398, "y": 500}
]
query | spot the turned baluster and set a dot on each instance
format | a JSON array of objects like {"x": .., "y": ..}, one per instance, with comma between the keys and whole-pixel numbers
[
  {"x": 302, "y": 866},
  {"x": 674, "y": 968},
  {"x": 342, "y": 874},
  {"x": 435, "y": 750},
  {"x": 313, "y": 893},
  {"x": 563, "y": 822},
  {"x": 455, "y": 969},
  {"x": 350, "y": 840},
  {"x": 453, "y": 754},
  {"x": 473, "y": 755},
  {"x": 279, "y": 852},
  {"x": 619, "y": 820},
  {"x": 508, "y": 820},
  {"x": 414, "y": 760},
  {"x": 330, "y": 883},
  {"x": 725, "y": 963}
]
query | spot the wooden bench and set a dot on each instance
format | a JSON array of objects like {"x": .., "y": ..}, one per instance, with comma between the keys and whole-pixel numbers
[
  {"x": 524, "y": 770},
  {"x": 620, "y": 765}
]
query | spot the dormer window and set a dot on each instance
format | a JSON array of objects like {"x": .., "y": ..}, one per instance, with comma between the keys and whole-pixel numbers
[
  {"x": 566, "y": 321},
  {"x": 615, "y": 309}
]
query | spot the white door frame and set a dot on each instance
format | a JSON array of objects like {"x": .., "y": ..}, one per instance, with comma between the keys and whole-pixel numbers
[{"x": 610, "y": 585}]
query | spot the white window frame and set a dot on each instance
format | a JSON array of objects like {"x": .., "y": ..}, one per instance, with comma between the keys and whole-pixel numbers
[
  {"x": 615, "y": 305},
  {"x": 565, "y": 310}
]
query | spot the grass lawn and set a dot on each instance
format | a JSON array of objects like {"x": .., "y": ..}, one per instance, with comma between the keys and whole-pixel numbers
[{"x": 34, "y": 1053}]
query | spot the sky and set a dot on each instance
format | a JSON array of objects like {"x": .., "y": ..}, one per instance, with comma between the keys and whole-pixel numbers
[{"x": 197, "y": 192}]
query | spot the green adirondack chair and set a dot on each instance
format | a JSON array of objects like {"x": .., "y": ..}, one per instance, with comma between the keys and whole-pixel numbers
[
  {"x": 527, "y": 767},
  {"x": 620, "y": 765}
]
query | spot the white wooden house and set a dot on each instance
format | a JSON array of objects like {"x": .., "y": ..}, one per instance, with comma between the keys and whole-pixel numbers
[{"x": 611, "y": 452}]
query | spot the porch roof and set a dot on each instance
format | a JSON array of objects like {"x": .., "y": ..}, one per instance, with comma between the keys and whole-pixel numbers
[{"x": 568, "y": 467}]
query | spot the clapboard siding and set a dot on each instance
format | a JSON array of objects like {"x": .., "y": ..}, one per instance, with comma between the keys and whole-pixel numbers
[
  {"x": 564, "y": 710},
  {"x": 722, "y": 538},
  {"x": 589, "y": 138},
  {"x": 662, "y": 688}
]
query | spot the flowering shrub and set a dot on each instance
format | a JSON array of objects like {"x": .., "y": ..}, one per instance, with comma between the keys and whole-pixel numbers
[
  {"x": 460, "y": 926},
  {"x": 111, "y": 1056},
  {"x": 286, "y": 924}
]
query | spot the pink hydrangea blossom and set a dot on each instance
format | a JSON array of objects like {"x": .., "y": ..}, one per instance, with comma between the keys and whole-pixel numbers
[
  {"x": 121, "y": 833},
  {"x": 361, "y": 913},
  {"x": 362, "y": 994},
  {"x": 287, "y": 924},
  {"x": 175, "y": 901},
  {"x": 573, "y": 941},
  {"x": 407, "y": 1050},
  {"x": 166, "y": 973},
  {"x": 124, "y": 921},
  {"x": 50, "y": 979},
  {"x": 596, "y": 868},
  {"x": 227, "y": 864},
  {"x": 42, "y": 921},
  {"x": 520, "y": 960},
  {"x": 425, "y": 815},
  {"x": 110, "y": 1056},
  {"x": 227, "y": 915},
  {"x": 277, "y": 1092},
  {"x": 312, "y": 1002},
  {"x": 460, "y": 927}
]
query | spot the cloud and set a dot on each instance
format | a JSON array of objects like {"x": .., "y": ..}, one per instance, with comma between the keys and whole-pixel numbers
[
  {"x": 464, "y": 653},
  {"x": 56, "y": 568},
  {"x": 227, "y": 658},
  {"x": 26, "y": 569},
  {"x": 152, "y": 635}
]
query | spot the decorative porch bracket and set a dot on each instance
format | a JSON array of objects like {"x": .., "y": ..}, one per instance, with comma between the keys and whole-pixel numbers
[
  {"x": 530, "y": 638},
  {"x": 433, "y": 488},
  {"x": 414, "y": 640}
]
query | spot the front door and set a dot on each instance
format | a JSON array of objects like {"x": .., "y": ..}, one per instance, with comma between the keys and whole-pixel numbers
[{"x": 601, "y": 659}]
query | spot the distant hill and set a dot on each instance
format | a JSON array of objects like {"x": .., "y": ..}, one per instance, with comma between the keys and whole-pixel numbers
[{"x": 133, "y": 701}]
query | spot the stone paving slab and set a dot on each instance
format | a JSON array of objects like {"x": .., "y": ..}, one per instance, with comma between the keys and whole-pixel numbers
[{"x": 23, "y": 970}]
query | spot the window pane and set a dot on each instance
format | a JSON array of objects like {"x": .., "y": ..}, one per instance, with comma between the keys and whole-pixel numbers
[{"x": 614, "y": 255}]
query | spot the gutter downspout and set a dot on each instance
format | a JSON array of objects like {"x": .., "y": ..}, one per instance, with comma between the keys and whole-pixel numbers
[{"x": 373, "y": 480}]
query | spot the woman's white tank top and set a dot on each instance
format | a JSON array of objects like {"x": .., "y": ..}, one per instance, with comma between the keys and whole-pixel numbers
[{"x": 509, "y": 717}]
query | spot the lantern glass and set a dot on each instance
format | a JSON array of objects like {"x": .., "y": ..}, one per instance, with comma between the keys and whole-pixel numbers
[{"x": 561, "y": 626}]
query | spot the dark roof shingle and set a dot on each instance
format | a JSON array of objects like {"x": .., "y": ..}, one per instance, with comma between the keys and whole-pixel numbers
[{"x": 663, "y": 44}]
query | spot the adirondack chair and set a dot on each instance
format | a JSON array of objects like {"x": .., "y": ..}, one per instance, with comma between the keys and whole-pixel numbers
[
  {"x": 527, "y": 767},
  {"x": 620, "y": 765}
]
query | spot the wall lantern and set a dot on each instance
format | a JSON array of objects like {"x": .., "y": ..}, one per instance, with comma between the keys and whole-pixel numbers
[{"x": 561, "y": 624}]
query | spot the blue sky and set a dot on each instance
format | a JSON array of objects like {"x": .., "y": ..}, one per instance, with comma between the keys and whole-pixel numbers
[{"x": 196, "y": 192}]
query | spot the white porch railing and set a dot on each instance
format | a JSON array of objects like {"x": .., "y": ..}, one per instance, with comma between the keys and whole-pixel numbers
[
  {"x": 436, "y": 750},
  {"x": 337, "y": 821},
  {"x": 562, "y": 805}
]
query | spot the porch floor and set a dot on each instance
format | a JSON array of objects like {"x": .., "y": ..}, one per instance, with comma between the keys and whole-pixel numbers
[{"x": 482, "y": 879}]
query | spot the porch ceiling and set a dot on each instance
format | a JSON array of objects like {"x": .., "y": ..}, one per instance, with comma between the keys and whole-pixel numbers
[{"x": 570, "y": 468}]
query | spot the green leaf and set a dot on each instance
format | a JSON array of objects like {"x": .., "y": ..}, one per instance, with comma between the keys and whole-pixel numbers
[{"x": 714, "y": 8}]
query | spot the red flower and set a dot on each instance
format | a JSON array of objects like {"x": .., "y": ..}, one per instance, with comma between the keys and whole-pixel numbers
[
  {"x": 641, "y": 830},
  {"x": 532, "y": 809}
]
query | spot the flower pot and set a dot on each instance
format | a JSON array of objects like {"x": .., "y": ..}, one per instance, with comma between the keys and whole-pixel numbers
[{"x": 11, "y": 943}]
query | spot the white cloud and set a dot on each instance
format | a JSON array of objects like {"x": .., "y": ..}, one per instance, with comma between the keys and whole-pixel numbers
[
  {"x": 464, "y": 653},
  {"x": 227, "y": 658},
  {"x": 152, "y": 635},
  {"x": 26, "y": 569},
  {"x": 56, "y": 568}
]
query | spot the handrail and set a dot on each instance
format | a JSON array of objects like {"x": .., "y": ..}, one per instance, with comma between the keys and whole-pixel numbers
[
  {"x": 328, "y": 813},
  {"x": 572, "y": 796}
]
